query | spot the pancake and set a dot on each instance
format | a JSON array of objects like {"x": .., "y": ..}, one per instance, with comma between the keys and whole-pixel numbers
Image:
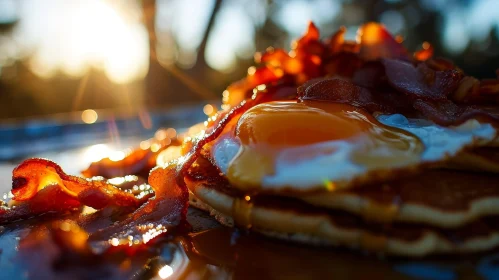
[
  {"x": 295, "y": 221},
  {"x": 484, "y": 159},
  {"x": 427, "y": 222},
  {"x": 438, "y": 197},
  {"x": 442, "y": 198}
]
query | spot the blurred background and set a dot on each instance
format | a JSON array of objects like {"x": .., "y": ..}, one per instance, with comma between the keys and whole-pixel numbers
[{"x": 126, "y": 65}]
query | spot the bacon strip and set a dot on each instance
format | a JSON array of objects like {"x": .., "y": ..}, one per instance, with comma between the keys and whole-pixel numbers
[
  {"x": 343, "y": 64},
  {"x": 164, "y": 213},
  {"x": 304, "y": 62},
  {"x": 433, "y": 78},
  {"x": 447, "y": 113},
  {"x": 336, "y": 41},
  {"x": 61, "y": 250},
  {"x": 40, "y": 186},
  {"x": 376, "y": 42},
  {"x": 467, "y": 90},
  {"x": 443, "y": 112},
  {"x": 343, "y": 91},
  {"x": 211, "y": 135},
  {"x": 489, "y": 87},
  {"x": 34, "y": 174},
  {"x": 139, "y": 162},
  {"x": 433, "y": 100},
  {"x": 421, "y": 82},
  {"x": 49, "y": 200},
  {"x": 65, "y": 242},
  {"x": 425, "y": 53}
]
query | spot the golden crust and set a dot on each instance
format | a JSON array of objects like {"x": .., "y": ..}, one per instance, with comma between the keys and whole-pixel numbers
[
  {"x": 482, "y": 160},
  {"x": 314, "y": 228},
  {"x": 442, "y": 198}
]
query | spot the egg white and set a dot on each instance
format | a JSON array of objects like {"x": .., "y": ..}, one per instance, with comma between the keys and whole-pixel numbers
[{"x": 442, "y": 142}]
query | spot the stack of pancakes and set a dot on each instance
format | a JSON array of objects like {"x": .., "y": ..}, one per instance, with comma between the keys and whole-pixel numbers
[
  {"x": 433, "y": 209},
  {"x": 436, "y": 211}
]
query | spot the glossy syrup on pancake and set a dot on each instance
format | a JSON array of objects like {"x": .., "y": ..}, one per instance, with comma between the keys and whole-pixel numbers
[
  {"x": 442, "y": 198},
  {"x": 280, "y": 141}
]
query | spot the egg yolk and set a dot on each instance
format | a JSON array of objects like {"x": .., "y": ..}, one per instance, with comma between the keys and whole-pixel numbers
[{"x": 270, "y": 129}]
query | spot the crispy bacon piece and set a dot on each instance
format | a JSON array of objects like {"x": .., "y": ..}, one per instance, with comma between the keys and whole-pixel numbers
[
  {"x": 371, "y": 75},
  {"x": 263, "y": 75},
  {"x": 343, "y": 91},
  {"x": 243, "y": 89},
  {"x": 274, "y": 57},
  {"x": 441, "y": 64},
  {"x": 447, "y": 113},
  {"x": 376, "y": 42},
  {"x": 411, "y": 89},
  {"x": 40, "y": 186},
  {"x": 343, "y": 64},
  {"x": 342, "y": 58},
  {"x": 60, "y": 250},
  {"x": 311, "y": 37},
  {"x": 63, "y": 243},
  {"x": 302, "y": 63},
  {"x": 467, "y": 90},
  {"x": 473, "y": 91},
  {"x": 211, "y": 134},
  {"x": 428, "y": 79},
  {"x": 139, "y": 162},
  {"x": 421, "y": 82},
  {"x": 278, "y": 92},
  {"x": 34, "y": 174},
  {"x": 337, "y": 41},
  {"x": 166, "y": 212},
  {"x": 489, "y": 87},
  {"x": 49, "y": 200},
  {"x": 425, "y": 53}
]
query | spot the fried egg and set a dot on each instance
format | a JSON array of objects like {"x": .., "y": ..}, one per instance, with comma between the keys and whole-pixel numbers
[
  {"x": 302, "y": 145},
  {"x": 306, "y": 146}
]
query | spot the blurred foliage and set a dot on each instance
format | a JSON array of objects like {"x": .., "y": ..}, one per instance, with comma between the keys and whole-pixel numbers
[{"x": 179, "y": 74}]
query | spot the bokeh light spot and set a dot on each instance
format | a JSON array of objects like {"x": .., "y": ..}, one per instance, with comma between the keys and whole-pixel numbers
[
  {"x": 165, "y": 272},
  {"x": 208, "y": 109},
  {"x": 89, "y": 116}
]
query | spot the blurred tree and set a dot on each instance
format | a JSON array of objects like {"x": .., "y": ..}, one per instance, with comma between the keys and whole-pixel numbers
[
  {"x": 23, "y": 94},
  {"x": 170, "y": 84}
]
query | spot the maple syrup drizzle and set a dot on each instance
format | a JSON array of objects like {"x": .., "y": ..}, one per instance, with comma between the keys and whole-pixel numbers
[
  {"x": 242, "y": 210},
  {"x": 374, "y": 243},
  {"x": 376, "y": 212}
]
